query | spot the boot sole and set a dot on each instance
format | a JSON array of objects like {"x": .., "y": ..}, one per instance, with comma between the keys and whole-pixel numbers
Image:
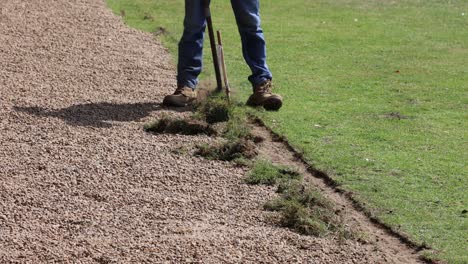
[
  {"x": 171, "y": 103},
  {"x": 272, "y": 104}
]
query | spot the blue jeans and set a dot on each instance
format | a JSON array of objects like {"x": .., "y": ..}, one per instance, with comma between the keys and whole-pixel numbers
[{"x": 191, "y": 44}]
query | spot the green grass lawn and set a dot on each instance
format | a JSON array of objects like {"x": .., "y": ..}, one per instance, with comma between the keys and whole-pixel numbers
[{"x": 376, "y": 94}]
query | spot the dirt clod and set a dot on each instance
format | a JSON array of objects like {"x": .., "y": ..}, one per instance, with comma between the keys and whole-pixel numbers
[
  {"x": 180, "y": 126},
  {"x": 214, "y": 110}
]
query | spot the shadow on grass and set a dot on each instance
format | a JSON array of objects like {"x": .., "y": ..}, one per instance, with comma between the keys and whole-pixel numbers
[{"x": 99, "y": 114}]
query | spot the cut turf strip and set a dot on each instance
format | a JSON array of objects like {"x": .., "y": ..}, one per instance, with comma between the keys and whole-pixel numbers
[
  {"x": 180, "y": 126},
  {"x": 81, "y": 181}
]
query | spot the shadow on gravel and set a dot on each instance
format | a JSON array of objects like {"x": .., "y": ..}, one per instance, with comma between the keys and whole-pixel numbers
[{"x": 98, "y": 114}]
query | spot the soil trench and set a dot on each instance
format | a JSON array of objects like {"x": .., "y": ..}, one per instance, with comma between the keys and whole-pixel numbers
[
  {"x": 80, "y": 180},
  {"x": 373, "y": 236}
]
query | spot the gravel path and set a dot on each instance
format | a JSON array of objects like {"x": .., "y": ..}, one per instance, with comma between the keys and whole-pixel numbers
[{"x": 80, "y": 181}]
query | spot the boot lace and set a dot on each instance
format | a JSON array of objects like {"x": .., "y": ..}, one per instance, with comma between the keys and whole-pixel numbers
[
  {"x": 264, "y": 88},
  {"x": 179, "y": 90}
]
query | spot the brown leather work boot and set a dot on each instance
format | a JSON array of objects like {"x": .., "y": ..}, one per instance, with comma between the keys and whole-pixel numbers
[
  {"x": 263, "y": 96},
  {"x": 181, "y": 97}
]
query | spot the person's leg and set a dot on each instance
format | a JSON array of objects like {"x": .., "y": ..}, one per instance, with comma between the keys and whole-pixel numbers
[
  {"x": 253, "y": 42},
  {"x": 254, "y": 51},
  {"x": 190, "y": 62},
  {"x": 191, "y": 45}
]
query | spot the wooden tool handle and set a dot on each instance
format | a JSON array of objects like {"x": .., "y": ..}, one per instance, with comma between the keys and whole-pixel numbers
[
  {"x": 220, "y": 42},
  {"x": 222, "y": 63}
]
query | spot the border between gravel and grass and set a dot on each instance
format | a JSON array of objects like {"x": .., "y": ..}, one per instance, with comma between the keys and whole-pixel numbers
[
  {"x": 332, "y": 183},
  {"x": 217, "y": 110},
  {"x": 302, "y": 207}
]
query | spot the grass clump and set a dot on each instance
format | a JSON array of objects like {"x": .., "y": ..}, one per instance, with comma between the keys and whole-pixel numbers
[
  {"x": 296, "y": 190},
  {"x": 301, "y": 207},
  {"x": 228, "y": 151},
  {"x": 264, "y": 172},
  {"x": 298, "y": 217},
  {"x": 180, "y": 126},
  {"x": 214, "y": 109},
  {"x": 239, "y": 145},
  {"x": 305, "y": 210}
]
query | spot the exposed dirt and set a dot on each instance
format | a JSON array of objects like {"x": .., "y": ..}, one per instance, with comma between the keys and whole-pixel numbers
[
  {"x": 395, "y": 115},
  {"x": 81, "y": 181},
  {"x": 373, "y": 236}
]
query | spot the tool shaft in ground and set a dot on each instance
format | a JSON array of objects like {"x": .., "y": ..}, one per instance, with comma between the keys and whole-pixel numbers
[
  {"x": 223, "y": 66},
  {"x": 209, "y": 23}
]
